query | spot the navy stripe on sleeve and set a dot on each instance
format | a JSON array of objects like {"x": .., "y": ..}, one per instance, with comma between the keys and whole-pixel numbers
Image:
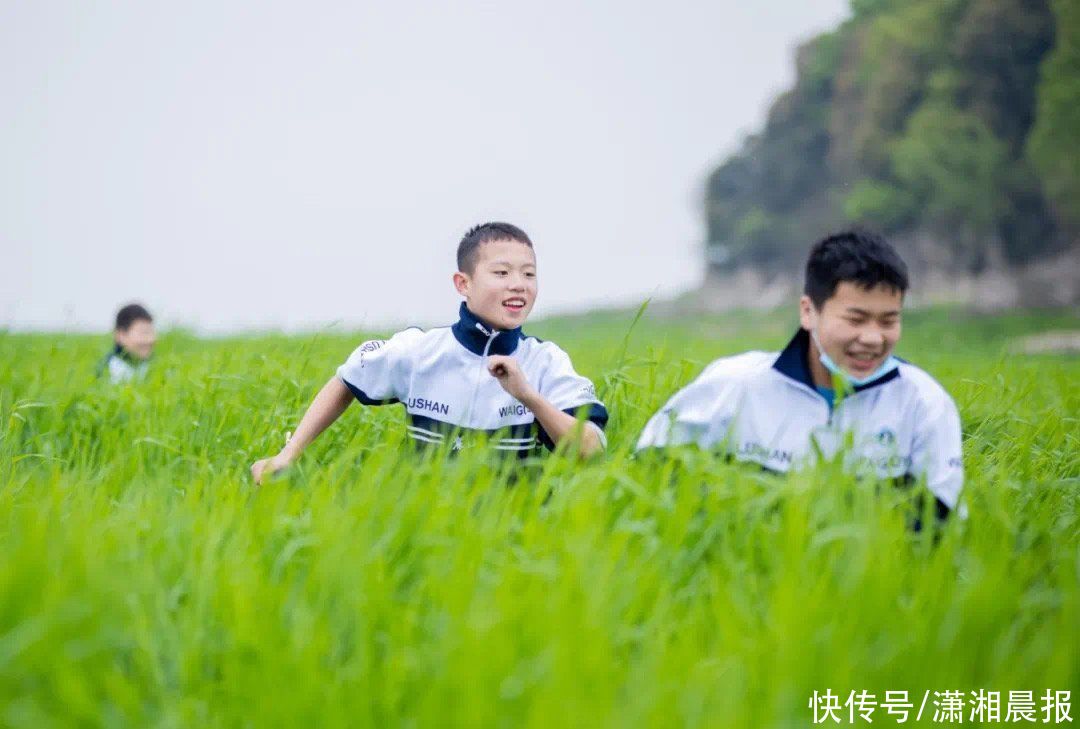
[
  {"x": 364, "y": 399},
  {"x": 597, "y": 414}
]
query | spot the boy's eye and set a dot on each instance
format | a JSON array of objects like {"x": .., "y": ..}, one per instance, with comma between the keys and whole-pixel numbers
[
  {"x": 500, "y": 273},
  {"x": 530, "y": 274}
]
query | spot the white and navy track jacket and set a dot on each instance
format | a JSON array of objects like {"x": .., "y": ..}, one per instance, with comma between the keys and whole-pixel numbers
[
  {"x": 764, "y": 408},
  {"x": 441, "y": 377},
  {"x": 121, "y": 367}
]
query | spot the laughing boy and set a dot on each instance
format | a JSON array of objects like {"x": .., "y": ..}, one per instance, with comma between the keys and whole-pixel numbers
[
  {"x": 837, "y": 376},
  {"x": 481, "y": 379}
]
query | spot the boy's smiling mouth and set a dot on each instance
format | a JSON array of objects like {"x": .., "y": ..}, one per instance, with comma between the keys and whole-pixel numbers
[
  {"x": 515, "y": 303},
  {"x": 864, "y": 361}
]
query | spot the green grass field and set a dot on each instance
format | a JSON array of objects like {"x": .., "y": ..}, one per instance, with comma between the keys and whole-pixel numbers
[{"x": 145, "y": 582}]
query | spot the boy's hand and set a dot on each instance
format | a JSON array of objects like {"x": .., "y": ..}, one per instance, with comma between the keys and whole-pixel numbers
[
  {"x": 508, "y": 373},
  {"x": 268, "y": 466}
]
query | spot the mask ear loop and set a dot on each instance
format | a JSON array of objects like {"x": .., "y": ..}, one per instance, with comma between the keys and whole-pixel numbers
[{"x": 841, "y": 381}]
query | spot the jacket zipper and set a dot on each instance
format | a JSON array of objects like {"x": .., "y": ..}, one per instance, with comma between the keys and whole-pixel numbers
[
  {"x": 480, "y": 373},
  {"x": 830, "y": 411}
]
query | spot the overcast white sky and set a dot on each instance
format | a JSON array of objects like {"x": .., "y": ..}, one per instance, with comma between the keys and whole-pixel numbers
[{"x": 290, "y": 165}]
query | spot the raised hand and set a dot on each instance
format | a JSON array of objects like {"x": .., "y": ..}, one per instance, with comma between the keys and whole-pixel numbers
[{"x": 507, "y": 371}]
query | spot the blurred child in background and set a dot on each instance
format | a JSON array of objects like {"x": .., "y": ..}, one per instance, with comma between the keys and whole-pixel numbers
[{"x": 133, "y": 345}]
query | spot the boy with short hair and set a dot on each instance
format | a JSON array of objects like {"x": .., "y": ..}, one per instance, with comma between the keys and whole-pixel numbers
[
  {"x": 482, "y": 375},
  {"x": 133, "y": 345},
  {"x": 773, "y": 408}
]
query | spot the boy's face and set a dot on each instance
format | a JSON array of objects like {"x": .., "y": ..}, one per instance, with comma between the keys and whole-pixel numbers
[
  {"x": 138, "y": 339},
  {"x": 857, "y": 327},
  {"x": 501, "y": 289}
]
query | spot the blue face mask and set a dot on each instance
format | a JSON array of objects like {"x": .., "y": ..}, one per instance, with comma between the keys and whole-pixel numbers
[{"x": 890, "y": 364}]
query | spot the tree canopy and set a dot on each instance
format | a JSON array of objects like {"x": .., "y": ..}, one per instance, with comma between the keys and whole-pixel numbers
[{"x": 957, "y": 120}]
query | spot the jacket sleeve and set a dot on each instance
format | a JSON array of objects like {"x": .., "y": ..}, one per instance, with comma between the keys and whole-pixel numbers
[
  {"x": 568, "y": 391},
  {"x": 701, "y": 413},
  {"x": 936, "y": 452},
  {"x": 377, "y": 372}
]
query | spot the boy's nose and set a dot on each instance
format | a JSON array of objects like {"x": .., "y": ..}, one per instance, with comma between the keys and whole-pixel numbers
[{"x": 871, "y": 337}]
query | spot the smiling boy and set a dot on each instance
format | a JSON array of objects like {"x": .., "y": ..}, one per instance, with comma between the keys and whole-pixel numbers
[
  {"x": 836, "y": 376},
  {"x": 482, "y": 376}
]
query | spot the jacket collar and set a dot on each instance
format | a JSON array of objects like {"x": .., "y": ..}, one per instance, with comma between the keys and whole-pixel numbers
[
  {"x": 794, "y": 361},
  {"x": 474, "y": 335},
  {"x": 123, "y": 354}
]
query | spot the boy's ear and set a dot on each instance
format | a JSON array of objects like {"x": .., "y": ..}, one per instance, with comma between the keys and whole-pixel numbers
[
  {"x": 807, "y": 313},
  {"x": 461, "y": 283}
]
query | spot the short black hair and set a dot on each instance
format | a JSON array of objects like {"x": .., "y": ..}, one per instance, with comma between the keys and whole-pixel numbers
[
  {"x": 859, "y": 256},
  {"x": 130, "y": 314},
  {"x": 486, "y": 233}
]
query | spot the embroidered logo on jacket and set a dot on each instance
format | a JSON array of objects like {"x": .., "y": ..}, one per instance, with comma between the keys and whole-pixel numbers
[
  {"x": 420, "y": 403},
  {"x": 886, "y": 437},
  {"x": 368, "y": 347},
  {"x": 516, "y": 409},
  {"x": 758, "y": 452}
]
